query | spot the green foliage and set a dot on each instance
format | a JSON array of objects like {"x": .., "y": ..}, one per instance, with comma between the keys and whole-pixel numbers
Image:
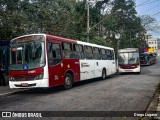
[
  {"x": 68, "y": 18},
  {"x": 100, "y": 41}
]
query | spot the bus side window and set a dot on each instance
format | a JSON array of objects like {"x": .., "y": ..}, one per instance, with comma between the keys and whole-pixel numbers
[
  {"x": 103, "y": 54},
  {"x": 78, "y": 51},
  {"x": 109, "y": 54},
  {"x": 67, "y": 50},
  {"x": 151, "y": 55},
  {"x": 88, "y": 52},
  {"x": 54, "y": 53},
  {"x": 112, "y": 52},
  {"x": 81, "y": 52},
  {"x": 73, "y": 53},
  {"x": 96, "y": 53}
]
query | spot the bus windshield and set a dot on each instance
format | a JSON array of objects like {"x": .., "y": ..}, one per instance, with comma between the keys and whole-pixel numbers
[
  {"x": 144, "y": 57},
  {"x": 130, "y": 58},
  {"x": 30, "y": 54}
]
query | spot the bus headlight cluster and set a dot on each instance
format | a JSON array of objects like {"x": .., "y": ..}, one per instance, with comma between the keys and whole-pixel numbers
[
  {"x": 11, "y": 78},
  {"x": 40, "y": 76}
]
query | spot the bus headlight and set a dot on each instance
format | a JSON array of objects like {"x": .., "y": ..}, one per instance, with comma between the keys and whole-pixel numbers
[{"x": 40, "y": 76}]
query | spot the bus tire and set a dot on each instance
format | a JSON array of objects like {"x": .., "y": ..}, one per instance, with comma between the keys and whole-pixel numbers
[
  {"x": 103, "y": 74},
  {"x": 68, "y": 81}
]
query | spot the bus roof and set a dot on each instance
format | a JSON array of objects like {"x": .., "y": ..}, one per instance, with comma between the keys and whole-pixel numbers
[
  {"x": 67, "y": 40},
  {"x": 128, "y": 50},
  {"x": 80, "y": 42},
  {"x": 94, "y": 45}
]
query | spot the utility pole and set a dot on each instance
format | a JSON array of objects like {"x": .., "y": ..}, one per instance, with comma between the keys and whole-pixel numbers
[
  {"x": 88, "y": 27},
  {"x": 87, "y": 20}
]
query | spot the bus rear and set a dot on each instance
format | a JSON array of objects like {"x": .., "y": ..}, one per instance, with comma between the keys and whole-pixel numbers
[
  {"x": 28, "y": 62},
  {"x": 128, "y": 60}
]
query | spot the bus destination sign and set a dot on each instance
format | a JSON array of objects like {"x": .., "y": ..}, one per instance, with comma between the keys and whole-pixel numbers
[{"x": 25, "y": 39}]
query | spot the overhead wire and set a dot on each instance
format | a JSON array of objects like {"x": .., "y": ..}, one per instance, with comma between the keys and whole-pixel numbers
[
  {"x": 150, "y": 9},
  {"x": 156, "y": 14},
  {"x": 146, "y": 3},
  {"x": 150, "y": 2},
  {"x": 142, "y": 3}
]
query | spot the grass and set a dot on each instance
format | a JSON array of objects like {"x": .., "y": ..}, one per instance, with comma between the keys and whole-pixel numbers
[{"x": 158, "y": 88}]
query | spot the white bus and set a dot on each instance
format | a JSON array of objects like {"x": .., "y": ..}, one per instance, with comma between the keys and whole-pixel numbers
[
  {"x": 128, "y": 60},
  {"x": 40, "y": 60}
]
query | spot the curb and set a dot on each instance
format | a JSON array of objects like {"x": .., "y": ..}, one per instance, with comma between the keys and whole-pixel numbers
[
  {"x": 158, "y": 107},
  {"x": 152, "y": 107}
]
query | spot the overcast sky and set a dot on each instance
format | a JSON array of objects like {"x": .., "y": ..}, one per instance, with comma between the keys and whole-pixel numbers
[{"x": 150, "y": 7}]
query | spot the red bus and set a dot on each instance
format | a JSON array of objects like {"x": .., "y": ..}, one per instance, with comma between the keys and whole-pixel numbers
[
  {"x": 147, "y": 58},
  {"x": 40, "y": 60}
]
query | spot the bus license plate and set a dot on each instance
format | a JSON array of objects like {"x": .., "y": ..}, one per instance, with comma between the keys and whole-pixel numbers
[
  {"x": 128, "y": 71},
  {"x": 24, "y": 84}
]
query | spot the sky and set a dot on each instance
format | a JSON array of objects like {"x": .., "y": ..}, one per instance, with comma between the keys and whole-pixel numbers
[{"x": 152, "y": 8}]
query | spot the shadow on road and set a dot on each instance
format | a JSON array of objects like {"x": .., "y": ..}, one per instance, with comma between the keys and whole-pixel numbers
[
  {"x": 61, "y": 89},
  {"x": 144, "y": 70}
]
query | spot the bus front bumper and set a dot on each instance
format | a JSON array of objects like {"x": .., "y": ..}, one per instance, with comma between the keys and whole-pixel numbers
[
  {"x": 129, "y": 70},
  {"x": 42, "y": 83}
]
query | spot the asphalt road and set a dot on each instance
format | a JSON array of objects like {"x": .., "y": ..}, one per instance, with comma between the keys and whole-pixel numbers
[{"x": 129, "y": 92}]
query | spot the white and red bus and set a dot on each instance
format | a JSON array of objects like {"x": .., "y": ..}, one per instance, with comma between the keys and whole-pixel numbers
[
  {"x": 40, "y": 60},
  {"x": 128, "y": 60}
]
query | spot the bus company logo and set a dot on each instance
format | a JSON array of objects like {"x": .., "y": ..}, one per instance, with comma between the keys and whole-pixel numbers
[
  {"x": 6, "y": 114},
  {"x": 84, "y": 65},
  {"x": 68, "y": 66}
]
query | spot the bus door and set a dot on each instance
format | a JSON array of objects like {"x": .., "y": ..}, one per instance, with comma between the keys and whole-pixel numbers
[
  {"x": 55, "y": 65},
  {"x": 89, "y": 64},
  {"x": 111, "y": 62},
  {"x": 97, "y": 62},
  {"x": 87, "y": 69}
]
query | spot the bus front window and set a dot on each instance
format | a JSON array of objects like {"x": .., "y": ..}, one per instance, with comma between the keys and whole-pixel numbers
[
  {"x": 144, "y": 57},
  {"x": 123, "y": 58},
  {"x": 31, "y": 53},
  {"x": 131, "y": 58},
  {"x": 17, "y": 54}
]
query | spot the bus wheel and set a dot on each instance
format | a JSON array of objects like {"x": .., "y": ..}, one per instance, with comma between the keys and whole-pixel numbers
[
  {"x": 103, "y": 74},
  {"x": 68, "y": 81}
]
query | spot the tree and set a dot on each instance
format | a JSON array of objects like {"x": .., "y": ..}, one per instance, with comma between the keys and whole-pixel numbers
[
  {"x": 12, "y": 20},
  {"x": 68, "y": 18},
  {"x": 126, "y": 22},
  {"x": 149, "y": 23}
]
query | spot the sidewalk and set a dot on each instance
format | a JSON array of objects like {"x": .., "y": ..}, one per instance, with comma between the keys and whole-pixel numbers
[
  {"x": 153, "y": 108},
  {"x": 5, "y": 90}
]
